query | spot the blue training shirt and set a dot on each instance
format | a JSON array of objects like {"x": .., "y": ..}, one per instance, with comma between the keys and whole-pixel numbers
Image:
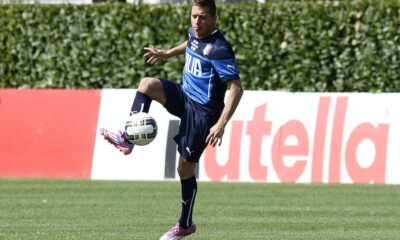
[{"x": 210, "y": 63}]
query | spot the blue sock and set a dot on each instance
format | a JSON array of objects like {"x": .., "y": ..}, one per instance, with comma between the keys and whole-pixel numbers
[
  {"x": 141, "y": 103},
  {"x": 189, "y": 191}
]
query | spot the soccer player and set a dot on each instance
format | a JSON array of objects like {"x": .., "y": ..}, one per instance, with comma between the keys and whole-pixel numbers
[{"x": 210, "y": 69}]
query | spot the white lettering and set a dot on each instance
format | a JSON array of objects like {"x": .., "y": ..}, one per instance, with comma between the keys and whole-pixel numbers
[{"x": 193, "y": 65}]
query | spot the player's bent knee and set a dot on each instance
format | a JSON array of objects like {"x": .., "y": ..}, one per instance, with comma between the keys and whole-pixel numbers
[
  {"x": 149, "y": 84},
  {"x": 153, "y": 88}
]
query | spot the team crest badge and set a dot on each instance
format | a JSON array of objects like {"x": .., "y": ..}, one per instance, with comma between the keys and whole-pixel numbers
[{"x": 207, "y": 49}]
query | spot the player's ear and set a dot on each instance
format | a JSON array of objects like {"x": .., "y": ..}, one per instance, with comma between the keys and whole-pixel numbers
[{"x": 215, "y": 18}]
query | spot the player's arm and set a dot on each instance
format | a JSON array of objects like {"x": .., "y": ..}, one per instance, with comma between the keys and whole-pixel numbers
[
  {"x": 154, "y": 54},
  {"x": 234, "y": 96}
]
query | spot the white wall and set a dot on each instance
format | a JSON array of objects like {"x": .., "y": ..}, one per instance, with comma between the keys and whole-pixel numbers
[{"x": 273, "y": 137}]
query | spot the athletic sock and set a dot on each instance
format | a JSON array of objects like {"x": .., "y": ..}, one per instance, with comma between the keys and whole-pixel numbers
[
  {"x": 189, "y": 191},
  {"x": 141, "y": 103}
]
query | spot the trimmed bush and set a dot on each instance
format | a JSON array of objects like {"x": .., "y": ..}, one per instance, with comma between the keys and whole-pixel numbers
[{"x": 319, "y": 46}]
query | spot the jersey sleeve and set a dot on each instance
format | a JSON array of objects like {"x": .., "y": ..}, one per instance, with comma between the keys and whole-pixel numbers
[{"x": 224, "y": 64}]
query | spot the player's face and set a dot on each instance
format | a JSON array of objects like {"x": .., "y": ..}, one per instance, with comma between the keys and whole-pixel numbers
[{"x": 202, "y": 21}]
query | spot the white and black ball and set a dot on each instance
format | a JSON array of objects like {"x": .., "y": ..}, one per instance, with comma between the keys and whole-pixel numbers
[{"x": 141, "y": 128}]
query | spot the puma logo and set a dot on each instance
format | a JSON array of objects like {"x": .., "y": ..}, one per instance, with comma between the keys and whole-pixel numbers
[
  {"x": 185, "y": 202},
  {"x": 189, "y": 151}
]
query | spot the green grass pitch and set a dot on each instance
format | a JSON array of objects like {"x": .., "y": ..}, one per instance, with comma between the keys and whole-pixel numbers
[{"x": 75, "y": 209}]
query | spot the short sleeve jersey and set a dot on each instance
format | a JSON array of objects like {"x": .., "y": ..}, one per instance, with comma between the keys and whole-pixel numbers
[{"x": 210, "y": 63}]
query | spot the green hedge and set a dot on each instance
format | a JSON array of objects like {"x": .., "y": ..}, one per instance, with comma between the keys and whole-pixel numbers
[{"x": 296, "y": 46}]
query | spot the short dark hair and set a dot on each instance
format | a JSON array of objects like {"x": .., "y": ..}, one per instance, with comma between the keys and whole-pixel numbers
[{"x": 210, "y": 4}]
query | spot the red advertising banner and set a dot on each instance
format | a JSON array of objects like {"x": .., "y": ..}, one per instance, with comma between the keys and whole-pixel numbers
[{"x": 47, "y": 133}]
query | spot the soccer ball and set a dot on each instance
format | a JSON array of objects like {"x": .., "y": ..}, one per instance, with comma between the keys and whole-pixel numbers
[{"x": 141, "y": 128}]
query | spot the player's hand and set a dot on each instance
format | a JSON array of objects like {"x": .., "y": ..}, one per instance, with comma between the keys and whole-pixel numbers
[
  {"x": 215, "y": 135},
  {"x": 153, "y": 54}
]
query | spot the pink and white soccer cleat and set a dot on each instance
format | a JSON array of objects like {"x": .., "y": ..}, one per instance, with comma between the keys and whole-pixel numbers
[
  {"x": 117, "y": 140},
  {"x": 178, "y": 232}
]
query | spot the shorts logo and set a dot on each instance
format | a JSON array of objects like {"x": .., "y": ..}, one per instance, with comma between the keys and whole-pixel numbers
[{"x": 188, "y": 150}]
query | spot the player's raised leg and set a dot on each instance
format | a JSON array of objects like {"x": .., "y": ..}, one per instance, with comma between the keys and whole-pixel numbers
[{"x": 149, "y": 89}]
